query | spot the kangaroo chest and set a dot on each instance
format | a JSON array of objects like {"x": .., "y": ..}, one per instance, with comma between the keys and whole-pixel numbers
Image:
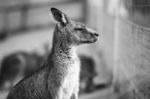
[
  {"x": 66, "y": 70},
  {"x": 68, "y": 75},
  {"x": 70, "y": 83},
  {"x": 69, "y": 72}
]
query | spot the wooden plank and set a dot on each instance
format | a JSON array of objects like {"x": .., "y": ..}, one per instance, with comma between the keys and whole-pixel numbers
[
  {"x": 17, "y": 7},
  {"x": 40, "y": 18},
  {"x": 43, "y": 16}
]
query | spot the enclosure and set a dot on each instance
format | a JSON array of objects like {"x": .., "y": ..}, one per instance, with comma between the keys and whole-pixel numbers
[{"x": 116, "y": 67}]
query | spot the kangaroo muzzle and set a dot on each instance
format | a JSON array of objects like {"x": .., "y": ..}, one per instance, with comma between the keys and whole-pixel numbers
[
  {"x": 93, "y": 34},
  {"x": 96, "y": 34},
  {"x": 95, "y": 37}
]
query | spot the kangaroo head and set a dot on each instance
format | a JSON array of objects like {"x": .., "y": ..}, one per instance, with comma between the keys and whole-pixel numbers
[{"x": 73, "y": 32}]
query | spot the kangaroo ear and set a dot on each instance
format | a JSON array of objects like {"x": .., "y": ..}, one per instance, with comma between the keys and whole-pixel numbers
[{"x": 59, "y": 16}]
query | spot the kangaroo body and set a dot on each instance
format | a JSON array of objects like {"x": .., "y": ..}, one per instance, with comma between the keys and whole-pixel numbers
[{"x": 58, "y": 78}]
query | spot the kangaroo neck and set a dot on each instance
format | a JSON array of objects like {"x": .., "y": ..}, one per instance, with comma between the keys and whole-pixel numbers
[{"x": 62, "y": 49}]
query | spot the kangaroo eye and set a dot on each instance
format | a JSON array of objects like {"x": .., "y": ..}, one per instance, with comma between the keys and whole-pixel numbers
[{"x": 79, "y": 29}]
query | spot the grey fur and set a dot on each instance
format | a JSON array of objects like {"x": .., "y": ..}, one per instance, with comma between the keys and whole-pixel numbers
[{"x": 58, "y": 78}]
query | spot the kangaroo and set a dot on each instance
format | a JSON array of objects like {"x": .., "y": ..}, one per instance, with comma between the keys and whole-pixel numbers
[{"x": 58, "y": 78}]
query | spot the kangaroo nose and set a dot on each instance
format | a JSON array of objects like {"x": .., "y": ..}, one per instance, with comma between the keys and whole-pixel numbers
[{"x": 96, "y": 34}]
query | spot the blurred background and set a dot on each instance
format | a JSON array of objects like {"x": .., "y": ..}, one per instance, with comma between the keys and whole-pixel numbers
[{"x": 116, "y": 67}]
